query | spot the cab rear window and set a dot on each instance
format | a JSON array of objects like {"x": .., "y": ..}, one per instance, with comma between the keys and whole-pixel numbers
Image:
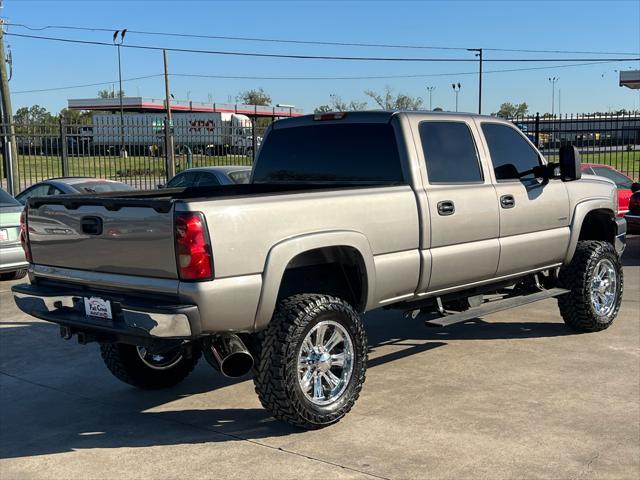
[{"x": 355, "y": 153}]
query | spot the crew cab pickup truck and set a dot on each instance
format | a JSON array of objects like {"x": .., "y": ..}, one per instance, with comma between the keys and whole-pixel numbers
[{"x": 446, "y": 217}]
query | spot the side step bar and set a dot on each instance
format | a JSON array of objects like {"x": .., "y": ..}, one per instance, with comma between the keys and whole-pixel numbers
[{"x": 493, "y": 307}]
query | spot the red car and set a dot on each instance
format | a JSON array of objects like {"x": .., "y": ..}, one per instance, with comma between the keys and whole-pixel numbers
[{"x": 623, "y": 183}]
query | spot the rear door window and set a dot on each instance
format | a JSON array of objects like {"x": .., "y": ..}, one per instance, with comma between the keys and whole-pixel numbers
[
  {"x": 512, "y": 156},
  {"x": 353, "y": 153},
  {"x": 450, "y": 153}
]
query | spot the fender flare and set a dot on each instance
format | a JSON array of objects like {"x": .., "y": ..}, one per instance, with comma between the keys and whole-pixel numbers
[
  {"x": 283, "y": 252},
  {"x": 580, "y": 212}
]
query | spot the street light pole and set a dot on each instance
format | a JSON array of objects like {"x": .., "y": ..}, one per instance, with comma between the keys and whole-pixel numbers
[
  {"x": 553, "y": 81},
  {"x": 479, "y": 55},
  {"x": 430, "y": 90},
  {"x": 123, "y": 151},
  {"x": 456, "y": 88}
]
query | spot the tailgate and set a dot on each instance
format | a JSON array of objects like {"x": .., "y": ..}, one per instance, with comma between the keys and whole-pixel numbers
[{"x": 113, "y": 238}]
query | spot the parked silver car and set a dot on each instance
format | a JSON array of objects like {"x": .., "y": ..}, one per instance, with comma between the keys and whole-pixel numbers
[
  {"x": 13, "y": 264},
  {"x": 210, "y": 176}
]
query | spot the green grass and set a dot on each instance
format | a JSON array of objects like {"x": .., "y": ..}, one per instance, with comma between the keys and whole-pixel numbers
[
  {"x": 626, "y": 162},
  {"x": 38, "y": 167}
]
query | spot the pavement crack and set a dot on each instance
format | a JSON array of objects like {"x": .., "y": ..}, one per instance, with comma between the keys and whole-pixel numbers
[{"x": 119, "y": 409}]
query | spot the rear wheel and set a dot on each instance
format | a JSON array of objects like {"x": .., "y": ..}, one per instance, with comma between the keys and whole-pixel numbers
[
  {"x": 142, "y": 368},
  {"x": 595, "y": 279},
  {"x": 312, "y": 361}
]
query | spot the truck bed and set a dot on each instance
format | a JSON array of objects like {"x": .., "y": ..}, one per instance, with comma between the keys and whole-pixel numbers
[{"x": 136, "y": 228}]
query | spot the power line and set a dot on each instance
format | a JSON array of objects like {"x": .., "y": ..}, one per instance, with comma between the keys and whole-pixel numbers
[
  {"x": 297, "y": 78},
  {"x": 315, "y": 57},
  {"x": 309, "y": 42}
]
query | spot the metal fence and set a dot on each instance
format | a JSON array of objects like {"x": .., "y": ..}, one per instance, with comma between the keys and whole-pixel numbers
[
  {"x": 98, "y": 149},
  {"x": 610, "y": 139},
  {"x": 133, "y": 153}
]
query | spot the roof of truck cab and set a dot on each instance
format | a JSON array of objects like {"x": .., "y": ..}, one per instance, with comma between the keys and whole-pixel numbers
[{"x": 374, "y": 116}]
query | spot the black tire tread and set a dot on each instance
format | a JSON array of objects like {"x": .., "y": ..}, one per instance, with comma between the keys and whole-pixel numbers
[
  {"x": 123, "y": 362},
  {"x": 575, "y": 307},
  {"x": 270, "y": 371}
]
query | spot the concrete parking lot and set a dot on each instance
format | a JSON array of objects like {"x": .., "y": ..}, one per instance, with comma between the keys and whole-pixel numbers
[{"x": 515, "y": 395}]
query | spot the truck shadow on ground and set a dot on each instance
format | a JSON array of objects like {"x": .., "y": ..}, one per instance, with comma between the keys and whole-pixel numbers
[{"x": 57, "y": 397}]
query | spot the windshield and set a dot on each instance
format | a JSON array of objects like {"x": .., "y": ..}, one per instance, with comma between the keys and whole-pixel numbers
[
  {"x": 7, "y": 200},
  {"x": 354, "y": 153},
  {"x": 98, "y": 186}
]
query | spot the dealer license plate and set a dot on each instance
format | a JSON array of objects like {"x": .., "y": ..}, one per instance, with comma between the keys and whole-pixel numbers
[{"x": 98, "y": 307}]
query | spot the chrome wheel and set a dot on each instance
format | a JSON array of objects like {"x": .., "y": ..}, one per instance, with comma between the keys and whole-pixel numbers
[
  {"x": 604, "y": 287},
  {"x": 158, "y": 361},
  {"x": 325, "y": 362}
]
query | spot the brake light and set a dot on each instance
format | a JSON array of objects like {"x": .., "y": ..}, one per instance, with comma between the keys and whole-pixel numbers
[
  {"x": 329, "y": 116},
  {"x": 24, "y": 235},
  {"x": 193, "y": 251}
]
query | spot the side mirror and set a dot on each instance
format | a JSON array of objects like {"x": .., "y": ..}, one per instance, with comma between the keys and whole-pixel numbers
[
  {"x": 161, "y": 185},
  {"x": 635, "y": 186},
  {"x": 570, "y": 163}
]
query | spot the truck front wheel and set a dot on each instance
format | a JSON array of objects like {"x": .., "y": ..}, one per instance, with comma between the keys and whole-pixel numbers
[
  {"x": 312, "y": 361},
  {"x": 142, "y": 368},
  {"x": 594, "y": 277}
]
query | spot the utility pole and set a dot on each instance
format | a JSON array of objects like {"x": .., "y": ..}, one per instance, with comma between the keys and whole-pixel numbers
[
  {"x": 123, "y": 151},
  {"x": 553, "y": 81},
  {"x": 479, "y": 55},
  {"x": 456, "y": 88},
  {"x": 430, "y": 90},
  {"x": 171, "y": 165},
  {"x": 10, "y": 150}
]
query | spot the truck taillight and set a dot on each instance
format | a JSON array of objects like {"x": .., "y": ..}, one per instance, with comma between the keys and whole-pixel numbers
[
  {"x": 193, "y": 250},
  {"x": 24, "y": 235}
]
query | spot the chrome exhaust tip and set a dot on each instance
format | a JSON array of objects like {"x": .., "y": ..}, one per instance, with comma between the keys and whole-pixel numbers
[{"x": 227, "y": 353}]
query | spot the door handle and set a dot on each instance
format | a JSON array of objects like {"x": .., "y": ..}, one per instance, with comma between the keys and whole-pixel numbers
[
  {"x": 446, "y": 207},
  {"x": 507, "y": 201}
]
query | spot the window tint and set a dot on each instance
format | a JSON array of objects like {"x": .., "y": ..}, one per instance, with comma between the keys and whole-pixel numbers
[
  {"x": 206, "y": 180},
  {"x": 320, "y": 153},
  {"x": 620, "y": 180},
  {"x": 36, "y": 191},
  {"x": 7, "y": 200},
  {"x": 55, "y": 191},
  {"x": 185, "y": 179},
  {"x": 450, "y": 153},
  {"x": 511, "y": 155}
]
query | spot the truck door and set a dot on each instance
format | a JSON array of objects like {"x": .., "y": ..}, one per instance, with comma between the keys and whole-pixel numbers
[
  {"x": 534, "y": 213},
  {"x": 463, "y": 214}
]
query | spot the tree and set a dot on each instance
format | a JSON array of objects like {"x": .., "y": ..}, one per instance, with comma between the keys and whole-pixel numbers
[
  {"x": 33, "y": 114},
  {"x": 388, "y": 100},
  {"x": 76, "y": 116},
  {"x": 509, "y": 110},
  {"x": 110, "y": 94},
  {"x": 338, "y": 105},
  {"x": 257, "y": 96}
]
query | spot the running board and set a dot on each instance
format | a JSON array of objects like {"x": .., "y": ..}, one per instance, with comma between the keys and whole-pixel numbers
[{"x": 493, "y": 307}]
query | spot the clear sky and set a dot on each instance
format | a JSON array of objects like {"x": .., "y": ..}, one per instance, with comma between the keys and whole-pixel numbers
[{"x": 610, "y": 26}]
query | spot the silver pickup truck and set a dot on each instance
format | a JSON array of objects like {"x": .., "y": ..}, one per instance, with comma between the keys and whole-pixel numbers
[{"x": 445, "y": 216}]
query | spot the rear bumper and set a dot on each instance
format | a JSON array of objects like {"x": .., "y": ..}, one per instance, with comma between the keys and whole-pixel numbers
[
  {"x": 621, "y": 234},
  {"x": 132, "y": 317},
  {"x": 12, "y": 258}
]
